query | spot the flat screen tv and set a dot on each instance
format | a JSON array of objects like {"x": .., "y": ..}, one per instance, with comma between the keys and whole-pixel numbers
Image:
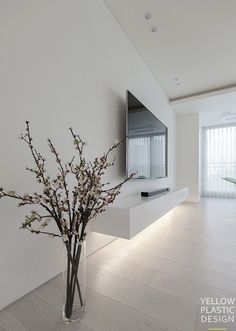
[{"x": 146, "y": 141}]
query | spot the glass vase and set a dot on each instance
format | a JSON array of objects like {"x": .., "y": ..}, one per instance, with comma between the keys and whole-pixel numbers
[{"x": 74, "y": 280}]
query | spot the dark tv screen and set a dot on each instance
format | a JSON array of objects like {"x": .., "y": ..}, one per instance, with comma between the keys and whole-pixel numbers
[{"x": 146, "y": 141}]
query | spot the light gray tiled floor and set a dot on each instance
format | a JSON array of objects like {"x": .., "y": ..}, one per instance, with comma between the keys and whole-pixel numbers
[{"x": 152, "y": 282}]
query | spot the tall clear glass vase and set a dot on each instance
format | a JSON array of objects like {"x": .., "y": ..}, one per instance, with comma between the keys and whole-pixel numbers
[{"x": 74, "y": 278}]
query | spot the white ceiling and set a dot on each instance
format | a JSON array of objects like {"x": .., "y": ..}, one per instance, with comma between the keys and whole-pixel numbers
[
  {"x": 218, "y": 103},
  {"x": 194, "y": 41}
]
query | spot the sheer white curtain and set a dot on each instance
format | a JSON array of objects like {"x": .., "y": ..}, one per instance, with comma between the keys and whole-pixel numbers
[
  {"x": 139, "y": 160},
  {"x": 147, "y": 156},
  {"x": 158, "y": 147},
  {"x": 219, "y": 160}
]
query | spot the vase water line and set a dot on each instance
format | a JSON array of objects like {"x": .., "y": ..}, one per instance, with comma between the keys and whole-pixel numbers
[{"x": 74, "y": 278}]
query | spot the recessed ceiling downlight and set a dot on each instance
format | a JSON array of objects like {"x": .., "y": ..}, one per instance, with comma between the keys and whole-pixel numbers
[
  {"x": 148, "y": 15},
  {"x": 177, "y": 81},
  {"x": 154, "y": 28},
  {"x": 228, "y": 115}
]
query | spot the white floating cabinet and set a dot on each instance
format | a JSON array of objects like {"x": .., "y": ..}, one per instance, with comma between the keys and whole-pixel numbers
[{"x": 130, "y": 215}]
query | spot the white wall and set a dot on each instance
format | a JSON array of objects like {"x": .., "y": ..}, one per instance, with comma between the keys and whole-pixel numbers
[
  {"x": 63, "y": 63},
  {"x": 187, "y": 154}
]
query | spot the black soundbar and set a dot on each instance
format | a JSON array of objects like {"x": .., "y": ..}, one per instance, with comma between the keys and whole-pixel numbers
[{"x": 151, "y": 193}]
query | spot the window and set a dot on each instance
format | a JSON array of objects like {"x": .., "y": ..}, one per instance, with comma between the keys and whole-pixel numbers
[{"x": 219, "y": 160}]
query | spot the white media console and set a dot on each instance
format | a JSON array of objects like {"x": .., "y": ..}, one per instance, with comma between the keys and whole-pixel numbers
[{"x": 130, "y": 215}]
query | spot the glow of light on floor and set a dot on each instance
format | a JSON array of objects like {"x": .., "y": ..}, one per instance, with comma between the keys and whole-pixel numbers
[{"x": 119, "y": 249}]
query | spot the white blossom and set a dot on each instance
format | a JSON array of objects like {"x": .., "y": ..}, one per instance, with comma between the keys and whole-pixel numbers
[{"x": 71, "y": 209}]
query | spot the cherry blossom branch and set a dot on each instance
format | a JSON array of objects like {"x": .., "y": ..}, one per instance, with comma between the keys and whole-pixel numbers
[
  {"x": 70, "y": 209},
  {"x": 63, "y": 174}
]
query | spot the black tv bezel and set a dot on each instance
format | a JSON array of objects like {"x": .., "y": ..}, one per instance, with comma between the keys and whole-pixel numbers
[{"x": 126, "y": 140}]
